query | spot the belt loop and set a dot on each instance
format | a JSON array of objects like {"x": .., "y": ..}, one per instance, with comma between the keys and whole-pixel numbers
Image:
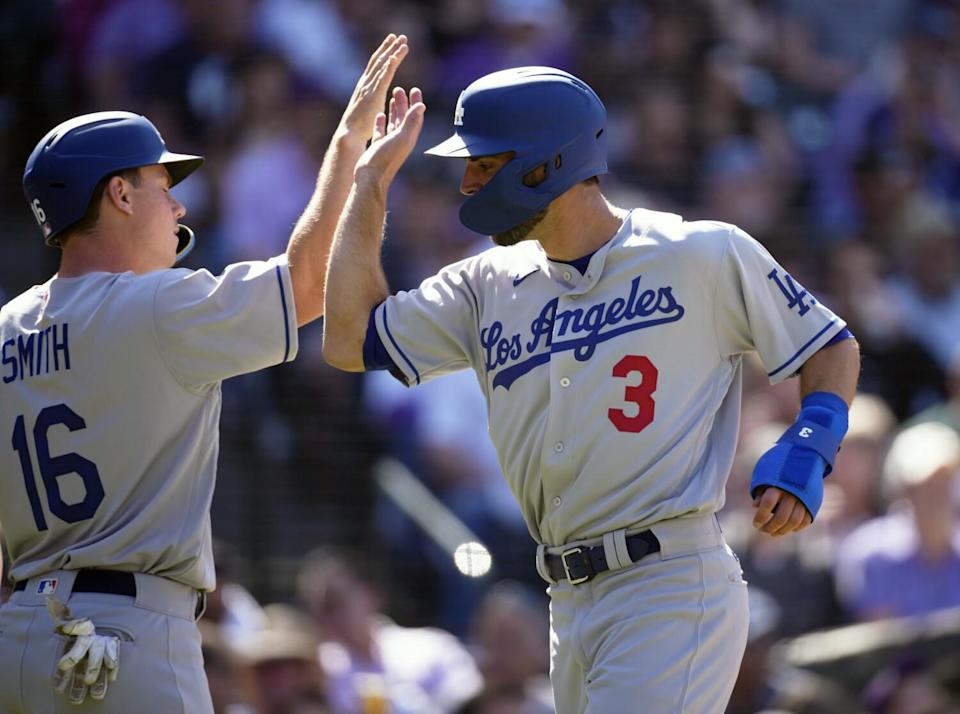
[
  {"x": 542, "y": 569},
  {"x": 615, "y": 549},
  {"x": 169, "y": 597},
  {"x": 623, "y": 552},
  {"x": 689, "y": 534},
  {"x": 610, "y": 552}
]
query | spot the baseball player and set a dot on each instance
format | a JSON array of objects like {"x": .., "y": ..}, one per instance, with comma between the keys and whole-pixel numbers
[
  {"x": 608, "y": 344},
  {"x": 110, "y": 403}
]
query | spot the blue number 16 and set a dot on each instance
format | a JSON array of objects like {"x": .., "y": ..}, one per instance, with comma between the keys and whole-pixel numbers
[{"x": 53, "y": 467}]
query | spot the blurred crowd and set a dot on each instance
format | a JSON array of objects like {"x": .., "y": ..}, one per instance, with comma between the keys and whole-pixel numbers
[{"x": 828, "y": 129}]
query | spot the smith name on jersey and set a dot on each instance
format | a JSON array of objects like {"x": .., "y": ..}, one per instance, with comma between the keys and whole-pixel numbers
[{"x": 35, "y": 352}]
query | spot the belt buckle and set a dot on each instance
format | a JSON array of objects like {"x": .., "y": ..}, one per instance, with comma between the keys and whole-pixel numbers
[{"x": 566, "y": 567}]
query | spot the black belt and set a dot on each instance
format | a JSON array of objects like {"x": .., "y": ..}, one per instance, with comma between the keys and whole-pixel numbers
[
  {"x": 108, "y": 582},
  {"x": 111, "y": 582},
  {"x": 582, "y": 564}
]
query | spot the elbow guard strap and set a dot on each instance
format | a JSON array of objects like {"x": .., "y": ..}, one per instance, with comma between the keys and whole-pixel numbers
[{"x": 805, "y": 453}]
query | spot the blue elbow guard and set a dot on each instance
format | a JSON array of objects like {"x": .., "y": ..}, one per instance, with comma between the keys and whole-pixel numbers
[{"x": 804, "y": 454}]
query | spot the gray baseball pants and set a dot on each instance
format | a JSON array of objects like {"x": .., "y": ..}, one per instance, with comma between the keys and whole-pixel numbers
[
  {"x": 161, "y": 665},
  {"x": 662, "y": 636}
]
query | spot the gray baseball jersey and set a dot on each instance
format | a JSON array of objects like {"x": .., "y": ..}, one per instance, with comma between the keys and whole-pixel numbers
[
  {"x": 110, "y": 407},
  {"x": 614, "y": 395}
]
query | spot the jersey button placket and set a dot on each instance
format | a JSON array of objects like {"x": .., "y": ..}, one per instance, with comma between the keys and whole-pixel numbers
[{"x": 558, "y": 467}]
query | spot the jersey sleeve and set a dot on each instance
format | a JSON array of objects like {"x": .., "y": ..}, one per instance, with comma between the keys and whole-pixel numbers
[
  {"x": 431, "y": 331},
  {"x": 211, "y": 327},
  {"x": 759, "y": 306}
]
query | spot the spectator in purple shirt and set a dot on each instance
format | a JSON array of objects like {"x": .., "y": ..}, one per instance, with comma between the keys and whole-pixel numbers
[{"x": 908, "y": 562}]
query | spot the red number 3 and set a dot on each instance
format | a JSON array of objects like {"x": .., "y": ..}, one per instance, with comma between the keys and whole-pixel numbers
[{"x": 641, "y": 394}]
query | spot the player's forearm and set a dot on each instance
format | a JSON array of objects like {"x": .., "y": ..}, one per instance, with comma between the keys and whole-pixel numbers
[
  {"x": 833, "y": 369},
  {"x": 355, "y": 279},
  {"x": 309, "y": 248}
]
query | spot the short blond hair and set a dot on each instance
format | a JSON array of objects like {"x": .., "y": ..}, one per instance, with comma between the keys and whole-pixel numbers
[
  {"x": 870, "y": 418},
  {"x": 917, "y": 453}
]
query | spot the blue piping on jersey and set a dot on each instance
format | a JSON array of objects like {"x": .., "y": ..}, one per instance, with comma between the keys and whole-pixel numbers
[
  {"x": 386, "y": 327},
  {"x": 839, "y": 337},
  {"x": 801, "y": 350},
  {"x": 286, "y": 317},
  {"x": 507, "y": 376}
]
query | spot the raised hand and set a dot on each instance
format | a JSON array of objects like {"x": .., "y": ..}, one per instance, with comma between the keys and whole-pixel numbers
[
  {"x": 394, "y": 137},
  {"x": 370, "y": 94}
]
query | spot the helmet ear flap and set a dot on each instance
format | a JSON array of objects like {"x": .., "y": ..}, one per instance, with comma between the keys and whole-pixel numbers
[
  {"x": 503, "y": 202},
  {"x": 532, "y": 178},
  {"x": 536, "y": 176}
]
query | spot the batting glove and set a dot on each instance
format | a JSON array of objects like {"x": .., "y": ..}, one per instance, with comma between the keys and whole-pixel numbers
[{"x": 90, "y": 661}]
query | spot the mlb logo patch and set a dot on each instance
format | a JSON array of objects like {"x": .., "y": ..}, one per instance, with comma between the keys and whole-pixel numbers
[{"x": 47, "y": 587}]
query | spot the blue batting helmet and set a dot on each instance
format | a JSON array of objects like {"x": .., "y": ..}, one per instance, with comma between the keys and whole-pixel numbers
[
  {"x": 65, "y": 167},
  {"x": 547, "y": 117}
]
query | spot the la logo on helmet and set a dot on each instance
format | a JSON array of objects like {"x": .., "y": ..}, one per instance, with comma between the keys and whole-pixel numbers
[{"x": 458, "y": 114}]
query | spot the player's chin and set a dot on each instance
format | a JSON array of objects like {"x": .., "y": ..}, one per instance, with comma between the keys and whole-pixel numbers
[
  {"x": 509, "y": 238},
  {"x": 171, "y": 254},
  {"x": 519, "y": 232},
  {"x": 166, "y": 259}
]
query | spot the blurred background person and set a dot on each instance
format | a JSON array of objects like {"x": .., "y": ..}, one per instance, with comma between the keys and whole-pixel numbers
[
  {"x": 232, "y": 687},
  {"x": 926, "y": 286},
  {"x": 271, "y": 165},
  {"x": 895, "y": 366},
  {"x": 498, "y": 700},
  {"x": 509, "y": 636},
  {"x": 369, "y": 660},
  {"x": 231, "y": 607},
  {"x": 907, "y": 562},
  {"x": 281, "y": 657}
]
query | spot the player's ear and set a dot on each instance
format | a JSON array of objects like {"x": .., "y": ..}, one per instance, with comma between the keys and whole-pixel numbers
[{"x": 118, "y": 193}]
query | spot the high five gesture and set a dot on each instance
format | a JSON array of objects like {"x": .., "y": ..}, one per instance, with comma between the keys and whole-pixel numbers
[
  {"x": 355, "y": 274},
  {"x": 309, "y": 246}
]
